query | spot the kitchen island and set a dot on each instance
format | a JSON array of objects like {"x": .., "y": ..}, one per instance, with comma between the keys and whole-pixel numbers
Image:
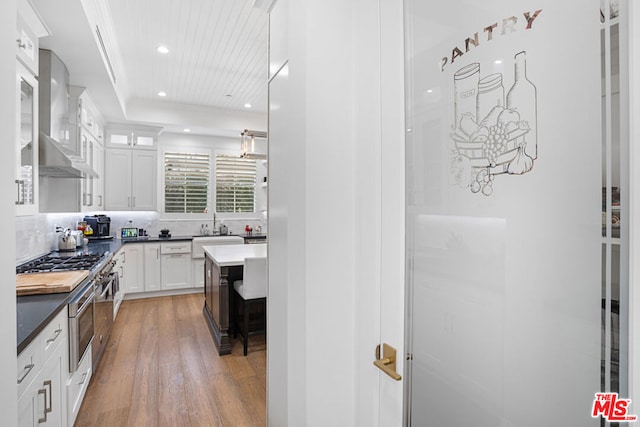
[{"x": 223, "y": 265}]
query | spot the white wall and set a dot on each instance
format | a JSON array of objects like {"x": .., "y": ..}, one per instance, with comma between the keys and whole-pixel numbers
[
  {"x": 323, "y": 207},
  {"x": 8, "y": 394}
]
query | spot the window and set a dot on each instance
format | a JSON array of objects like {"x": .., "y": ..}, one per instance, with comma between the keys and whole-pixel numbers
[
  {"x": 186, "y": 182},
  {"x": 235, "y": 184}
]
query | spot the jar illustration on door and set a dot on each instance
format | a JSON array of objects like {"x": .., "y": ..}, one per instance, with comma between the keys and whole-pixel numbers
[
  {"x": 490, "y": 95},
  {"x": 465, "y": 86},
  {"x": 522, "y": 97}
]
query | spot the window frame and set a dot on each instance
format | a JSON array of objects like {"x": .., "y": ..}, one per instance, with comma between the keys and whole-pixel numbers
[
  {"x": 213, "y": 152},
  {"x": 208, "y": 215},
  {"x": 234, "y": 215}
]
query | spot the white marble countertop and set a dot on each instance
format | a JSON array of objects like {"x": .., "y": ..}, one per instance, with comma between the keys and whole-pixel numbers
[{"x": 230, "y": 255}]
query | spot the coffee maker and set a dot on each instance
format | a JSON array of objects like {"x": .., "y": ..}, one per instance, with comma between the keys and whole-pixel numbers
[{"x": 101, "y": 225}]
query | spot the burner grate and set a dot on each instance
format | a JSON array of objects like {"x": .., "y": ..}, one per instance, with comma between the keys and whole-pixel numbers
[{"x": 50, "y": 263}]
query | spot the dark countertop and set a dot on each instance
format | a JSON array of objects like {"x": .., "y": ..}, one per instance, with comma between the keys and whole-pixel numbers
[
  {"x": 156, "y": 239},
  {"x": 34, "y": 312}
]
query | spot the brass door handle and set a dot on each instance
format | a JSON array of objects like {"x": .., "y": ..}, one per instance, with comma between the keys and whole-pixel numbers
[{"x": 388, "y": 362}]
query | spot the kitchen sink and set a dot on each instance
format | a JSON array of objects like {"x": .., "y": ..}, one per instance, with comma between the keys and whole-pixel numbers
[{"x": 200, "y": 241}]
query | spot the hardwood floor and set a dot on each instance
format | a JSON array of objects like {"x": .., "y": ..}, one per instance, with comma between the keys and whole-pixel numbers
[{"x": 161, "y": 368}]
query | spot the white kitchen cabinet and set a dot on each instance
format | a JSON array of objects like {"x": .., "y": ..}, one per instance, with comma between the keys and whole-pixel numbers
[
  {"x": 176, "y": 265},
  {"x": 132, "y": 280},
  {"x": 77, "y": 385},
  {"x": 135, "y": 137},
  {"x": 26, "y": 151},
  {"x": 97, "y": 201},
  {"x": 152, "y": 267},
  {"x": 42, "y": 404},
  {"x": 118, "y": 268},
  {"x": 197, "y": 277},
  {"x": 42, "y": 369},
  {"x": 87, "y": 125},
  {"x": 28, "y": 30},
  {"x": 130, "y": 180}
]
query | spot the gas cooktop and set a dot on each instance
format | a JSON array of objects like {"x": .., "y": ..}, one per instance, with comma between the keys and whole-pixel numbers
[{"x": 49, "y": 263}]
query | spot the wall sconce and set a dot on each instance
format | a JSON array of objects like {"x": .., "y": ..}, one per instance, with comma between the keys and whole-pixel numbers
[{"x": 248, "y": 147}]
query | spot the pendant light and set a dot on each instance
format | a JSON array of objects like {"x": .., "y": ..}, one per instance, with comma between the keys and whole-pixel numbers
[{"x": 248, "y": 147}]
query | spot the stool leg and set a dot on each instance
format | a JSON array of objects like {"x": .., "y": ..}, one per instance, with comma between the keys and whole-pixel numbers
[{"x": 245, "y": 332}]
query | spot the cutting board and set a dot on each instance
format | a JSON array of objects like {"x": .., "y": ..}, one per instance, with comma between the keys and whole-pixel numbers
[{"x": 49, "y": 283}]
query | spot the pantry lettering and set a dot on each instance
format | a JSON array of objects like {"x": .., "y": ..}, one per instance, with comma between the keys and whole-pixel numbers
[{"x": 508, "y": 25}]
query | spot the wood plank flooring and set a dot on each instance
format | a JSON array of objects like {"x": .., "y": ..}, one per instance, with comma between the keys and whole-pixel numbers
[{"x": 161, "y": 368}]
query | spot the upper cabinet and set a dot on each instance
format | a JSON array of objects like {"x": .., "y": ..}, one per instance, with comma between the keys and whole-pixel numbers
[
  {"x": 137, "y": 137},
  {"x": 26, "y": 170},
  {"x": 131, "y": 168},
  {"x": 28, "y": 29},
  {"x": 130, "y": 183}
]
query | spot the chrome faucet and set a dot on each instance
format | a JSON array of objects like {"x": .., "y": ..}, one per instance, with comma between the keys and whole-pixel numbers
[{"x": 215, "y": 230}]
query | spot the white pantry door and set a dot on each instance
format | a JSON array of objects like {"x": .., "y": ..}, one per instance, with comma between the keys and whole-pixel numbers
[{"x": 502, "y": 215}]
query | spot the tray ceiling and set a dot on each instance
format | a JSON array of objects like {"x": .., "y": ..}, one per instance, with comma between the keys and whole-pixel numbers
[{"x": 217, "y": 51}]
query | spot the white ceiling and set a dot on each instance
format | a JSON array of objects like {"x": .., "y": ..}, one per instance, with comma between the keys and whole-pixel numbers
[
  {"x": 216, "y": 48},
  {"x": 217, "y": 60}
]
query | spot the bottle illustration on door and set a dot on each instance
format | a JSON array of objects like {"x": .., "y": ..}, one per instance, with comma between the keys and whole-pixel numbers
[{"x": 493, "y": 134}]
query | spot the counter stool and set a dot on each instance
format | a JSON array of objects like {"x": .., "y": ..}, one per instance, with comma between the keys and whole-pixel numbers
[{"x": 252, "y": 290}]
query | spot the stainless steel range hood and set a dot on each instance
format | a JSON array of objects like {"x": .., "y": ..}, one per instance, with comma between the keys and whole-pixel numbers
[
  {"x": 56, "y": 160},
  {"x": 59, "y": 155}
]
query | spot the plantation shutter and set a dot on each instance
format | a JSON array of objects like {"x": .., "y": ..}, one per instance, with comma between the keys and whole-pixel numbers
[
  {"x": 186, "y": 182},
  {"x": 235, "y": 184}
]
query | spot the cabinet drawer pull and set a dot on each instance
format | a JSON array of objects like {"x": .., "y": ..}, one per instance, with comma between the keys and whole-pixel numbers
[
  {"x": 58, "y": 331},
  {"x": 21, "y": 192},
  {"x": 50, "y": 408},
  {"x": 84, "y": 378},
  {"x": 26, "y": 370},
  {"x": 43, "y": 419}
]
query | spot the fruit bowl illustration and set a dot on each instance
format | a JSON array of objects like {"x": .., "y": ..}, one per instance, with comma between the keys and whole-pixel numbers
[{"x": 494, "y": 142}]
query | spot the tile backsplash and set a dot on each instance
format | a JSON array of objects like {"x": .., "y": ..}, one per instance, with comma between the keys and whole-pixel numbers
[{"x": 36, "y": 236}]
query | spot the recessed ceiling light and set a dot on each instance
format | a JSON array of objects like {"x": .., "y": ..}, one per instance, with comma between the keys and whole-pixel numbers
[
  {"x": 247, "y": 105},
  {"x": 498, "y": 61},
  {"x": 187, "y": 130},
  {"x": 163, "y": 49},
  {"x": 162, "y": 93}
]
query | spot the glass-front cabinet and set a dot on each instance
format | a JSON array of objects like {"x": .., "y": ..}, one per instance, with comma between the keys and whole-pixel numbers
[
  {"x": 26, "y": 171},
  {"x": 137, "y": 137}
]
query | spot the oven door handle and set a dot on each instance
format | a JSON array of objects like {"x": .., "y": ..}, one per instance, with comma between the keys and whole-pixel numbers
[
  {"x": 104, "y": 293},
  {"x": 86, "y": 304}
]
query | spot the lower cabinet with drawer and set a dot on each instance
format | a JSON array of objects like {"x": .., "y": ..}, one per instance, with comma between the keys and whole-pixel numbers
[
  {"x": 42, "y": 370},
  {"x": 176, "y": 265},
  {"x": 77, "y": 387}
]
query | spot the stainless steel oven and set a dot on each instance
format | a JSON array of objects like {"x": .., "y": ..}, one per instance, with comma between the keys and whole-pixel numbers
[{"x": 81, "y": 325}]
